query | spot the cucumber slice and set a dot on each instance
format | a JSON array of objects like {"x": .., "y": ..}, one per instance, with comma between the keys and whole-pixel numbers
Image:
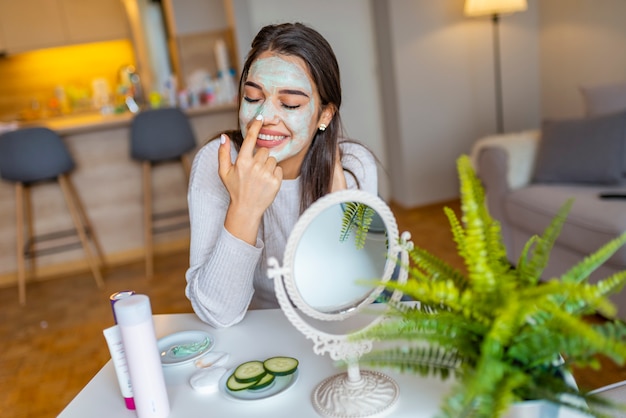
[
  {"x": 250, "y": 371},
  {"x": 281, "y": 366},
  {"x": 265, "y": 381},
  {"x": 234, "y": 385}
]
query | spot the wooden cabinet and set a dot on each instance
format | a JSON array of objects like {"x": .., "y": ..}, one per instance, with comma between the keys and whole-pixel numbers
[
  {"x": 95, "y": 20},
  {"x": 34, "y": 24},
  {"x": 31, "y": 24},
  {"x": 2, "y": 43}
]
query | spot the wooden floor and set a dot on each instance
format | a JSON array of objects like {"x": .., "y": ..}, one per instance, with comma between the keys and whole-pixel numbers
[{"x": 54, "y": 346}]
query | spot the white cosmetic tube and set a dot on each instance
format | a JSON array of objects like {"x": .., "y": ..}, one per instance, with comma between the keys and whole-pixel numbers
[
  {"x": 134, "y": 317},
  {"x": 116, "y": 348}
]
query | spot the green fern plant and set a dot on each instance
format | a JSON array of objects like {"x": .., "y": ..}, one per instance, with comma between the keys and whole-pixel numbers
[
  {"x": 503, "y": 333},
  {"x": 357, "y": 218}
]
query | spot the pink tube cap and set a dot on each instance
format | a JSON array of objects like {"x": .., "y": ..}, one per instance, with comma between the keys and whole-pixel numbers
[{"x": 130, "y": 403}]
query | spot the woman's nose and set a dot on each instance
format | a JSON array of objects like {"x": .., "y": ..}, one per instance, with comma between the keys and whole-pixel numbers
[{"x": 270, "y": 114}]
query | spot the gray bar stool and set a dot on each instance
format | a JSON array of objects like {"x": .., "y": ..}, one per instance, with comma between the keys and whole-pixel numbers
[
  {"x": 157, "y": 136},
  {"x": 33, "y": 155}
]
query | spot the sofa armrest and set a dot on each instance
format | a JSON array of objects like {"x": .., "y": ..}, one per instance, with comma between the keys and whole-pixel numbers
[
  {"x": 503, "y": 163},
  {"x": 518, "y": 150}
]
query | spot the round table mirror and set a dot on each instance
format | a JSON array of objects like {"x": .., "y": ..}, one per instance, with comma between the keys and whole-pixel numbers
[{"x": 339, "y": 247}]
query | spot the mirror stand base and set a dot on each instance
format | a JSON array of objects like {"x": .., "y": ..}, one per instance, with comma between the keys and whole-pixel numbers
[{"x": 372, "y": 395}]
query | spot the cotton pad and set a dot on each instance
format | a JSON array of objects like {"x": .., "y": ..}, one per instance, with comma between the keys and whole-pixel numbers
[{"x": 207, "y": 380}]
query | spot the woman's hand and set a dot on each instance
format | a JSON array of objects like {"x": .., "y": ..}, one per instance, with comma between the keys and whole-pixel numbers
[
  {"x": 252, "y": 181},
  {"x": 339, "y": 177}
]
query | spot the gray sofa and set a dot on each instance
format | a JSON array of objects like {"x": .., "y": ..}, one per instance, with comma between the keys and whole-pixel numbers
[{"x": 525, "y": 199}]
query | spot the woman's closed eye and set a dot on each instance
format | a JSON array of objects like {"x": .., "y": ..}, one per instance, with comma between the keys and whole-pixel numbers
[{"x": 285, "y": 105}]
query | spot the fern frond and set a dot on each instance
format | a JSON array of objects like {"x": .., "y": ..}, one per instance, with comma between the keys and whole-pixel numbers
[
  {"x": 348, "y": 221},
  {"x": 365, "y": 216},
  {"x": 575, "y": 299},
  {"x": 435, "y": 268},
  {"x": 595, "y": 341},
  {"x": 614, "y": 330},
  {"x": 525, "y": 278},
  {"x": 505, "y": 394},
  {"x": 476, "y": 256},
  {"x": 540, "y": 254},
  {"x": 357, "y": 217},
  {"x": 612, "y": 284},
  {"x": 458, "y": 404},
  {"x": 458, "y": 234},
  {"x": 438, "y": 294},
  {"x": 581, "y": 271}
]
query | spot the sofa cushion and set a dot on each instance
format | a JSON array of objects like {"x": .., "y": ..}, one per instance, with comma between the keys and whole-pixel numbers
[
  {"x": 586, "y": 150},
  {"x": 591, "y": 223},
  {"x": 604, "y": 99}
]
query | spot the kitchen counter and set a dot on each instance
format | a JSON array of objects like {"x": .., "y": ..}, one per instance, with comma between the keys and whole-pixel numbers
[
  {"x": 93, "y": 121},
  {"x": 109, "y": 183}
]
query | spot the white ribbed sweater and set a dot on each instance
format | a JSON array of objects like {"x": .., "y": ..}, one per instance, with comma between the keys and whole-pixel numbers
[{"x": 226, "y": 276}]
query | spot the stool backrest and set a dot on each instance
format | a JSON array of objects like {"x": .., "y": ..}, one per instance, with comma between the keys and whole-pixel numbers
[
  {"x": 29, "y": 155},
  {"x": 160, "y": 135}
]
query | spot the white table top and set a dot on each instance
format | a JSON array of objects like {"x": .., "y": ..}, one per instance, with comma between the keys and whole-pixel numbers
[{"x": 262, "y": 334}]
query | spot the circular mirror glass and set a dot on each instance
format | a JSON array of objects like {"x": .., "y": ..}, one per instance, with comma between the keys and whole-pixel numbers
[{"x": 336, "y": 254}]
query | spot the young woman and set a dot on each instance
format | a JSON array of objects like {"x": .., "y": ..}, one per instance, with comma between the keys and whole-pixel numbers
[{"x": 248, "y": 189}]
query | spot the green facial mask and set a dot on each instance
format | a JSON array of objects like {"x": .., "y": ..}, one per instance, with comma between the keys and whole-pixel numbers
[{"x": 275, "y": 75}]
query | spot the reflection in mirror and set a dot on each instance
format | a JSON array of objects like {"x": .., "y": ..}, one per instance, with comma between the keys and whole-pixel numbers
[{"x": 337, "y": 252}]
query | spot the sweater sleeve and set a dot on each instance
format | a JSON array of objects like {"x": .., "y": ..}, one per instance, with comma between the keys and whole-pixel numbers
[{"x": 221, "y": 267}]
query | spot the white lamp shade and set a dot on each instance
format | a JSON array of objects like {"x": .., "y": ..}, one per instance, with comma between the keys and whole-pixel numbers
[{"x": 492, "y": 7}]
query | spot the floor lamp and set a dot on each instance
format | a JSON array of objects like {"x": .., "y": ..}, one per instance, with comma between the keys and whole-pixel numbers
[{"x": 495, "y": 8}]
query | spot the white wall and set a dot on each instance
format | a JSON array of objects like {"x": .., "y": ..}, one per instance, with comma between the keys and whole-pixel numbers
[
  {"x": 444, "y": 89},
  {"x": 348, "y": 27},
  {"x": 583, "y": 43}
]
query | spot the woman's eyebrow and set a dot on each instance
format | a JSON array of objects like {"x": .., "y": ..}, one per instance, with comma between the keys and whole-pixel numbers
[
  {"x": 291, "y": 91},
  {"x": 252, "y": 84},
  {"x": 281, "y": 91}
]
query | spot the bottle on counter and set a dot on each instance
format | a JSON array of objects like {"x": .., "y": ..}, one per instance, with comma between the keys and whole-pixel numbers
[
  {"x": 170, "y": 91},
  {"x": 64, "y": 103},
  {"x": 134, "y": 317},
  {"x": 129, "y": 80}
]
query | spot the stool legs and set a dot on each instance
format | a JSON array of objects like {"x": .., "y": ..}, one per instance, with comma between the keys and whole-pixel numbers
[
  {"x": 186, "y": 161},
  {"x": 21, "y": 264},
  {"x": 148, "y": 215},
  {"x": 23, "y": 216},
  {"x": 29, "y": 247},
  {"x": 71, "y": 199},
  {"x": 147, "y": 218},
  {"x": 87, "y": 223}
]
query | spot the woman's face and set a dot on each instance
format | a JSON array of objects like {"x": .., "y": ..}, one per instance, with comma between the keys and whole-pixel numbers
[{"x": 280, "y": 88}]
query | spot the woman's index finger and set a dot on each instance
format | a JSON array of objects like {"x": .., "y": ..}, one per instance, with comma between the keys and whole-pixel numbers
[{"x": 249, "y": 142}]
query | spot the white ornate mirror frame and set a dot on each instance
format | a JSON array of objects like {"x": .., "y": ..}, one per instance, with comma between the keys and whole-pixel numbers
[{"x": 355, "y": 393}]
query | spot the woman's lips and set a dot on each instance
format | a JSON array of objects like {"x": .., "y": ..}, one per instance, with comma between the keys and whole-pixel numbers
[{"x": 270, "y": 140}]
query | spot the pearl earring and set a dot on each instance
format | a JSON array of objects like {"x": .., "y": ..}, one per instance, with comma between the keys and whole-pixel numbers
[{"x": 322, "y": 127}]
